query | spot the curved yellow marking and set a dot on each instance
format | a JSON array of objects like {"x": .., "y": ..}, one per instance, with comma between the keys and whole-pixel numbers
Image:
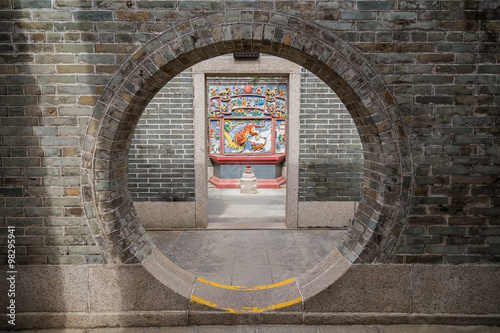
[
  {"x": 269, "y": 286},
  {"x": 247, "y": 309}
]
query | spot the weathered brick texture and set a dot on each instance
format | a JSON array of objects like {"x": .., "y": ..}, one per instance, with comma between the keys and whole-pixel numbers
[
  {"x": 331, "y": 155},
  {"x": 419, "y": 78},
  {"x": 161, "y": 158}
]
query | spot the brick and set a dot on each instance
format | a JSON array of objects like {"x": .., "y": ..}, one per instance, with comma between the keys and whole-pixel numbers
[
  {"x": 134, "y": 16},
  {"x": 375, "y": 5},
  {"x": 31, "y": 4},
  {"x": 14, "y": 15},
  {"x": 74, "y": 26},
  {"x": 435, "y": 57},
  {"x": 355, "y": 15},
  {"x": 334, "y": 25},
  {"x": 424, "y": 259},
  {"x": 30, "y": 26},
  {"x": 488, "y": 69},
  {"x": 434, "y": 100},
  {"x": 446, "y": 231},
  {"x": 157, "y": 4},
  {"x": 72, "y": 191},
  {"x": 59, "y": 15},
  {"x": 92, "y": 15},
  {"x": 11, "y": 192},
  {"x": 445, "y": 249},
  {"x": 458, "y": 260},
  {"x": 414, "y": 230},
  {"x": 74, "y": 48},
  {"x": 73, "y": 3},
  {"x": 114, "y": 48},
  {"x": 421, "y": 240},
  {"x": 87, "y": 100},
  {"x": 397, "y": 16},
  {"x": 116, "y": 26},
  {"x": 395, "y": 58},
  {"x": 70, "y": 69},
  {"x": 457, "y": 47},
  {"x": 251, "y": 5},
  {"x": 434, "y": 79},
  {"x": 200, "y": 5}
]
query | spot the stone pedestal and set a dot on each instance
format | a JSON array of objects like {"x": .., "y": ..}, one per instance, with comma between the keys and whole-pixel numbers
[{"x": 248, "y": 181}]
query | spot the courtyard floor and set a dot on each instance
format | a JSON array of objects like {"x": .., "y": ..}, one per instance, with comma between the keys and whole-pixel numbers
[
  {"x": 246, "y": 257},
  {"x": 246, "y": 242},
  {"x": 289, "y": 329},
  {"x": 229, "y": 208}
]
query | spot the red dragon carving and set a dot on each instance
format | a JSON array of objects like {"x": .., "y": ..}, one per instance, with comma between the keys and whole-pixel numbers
[{"x": 241, "y": 137}]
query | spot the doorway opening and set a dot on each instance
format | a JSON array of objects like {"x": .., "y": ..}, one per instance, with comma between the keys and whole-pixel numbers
[
  {"x": 247, "y": 121},
  {"x": 378, "y": 222},
  {"x": 246, "y": 240}
]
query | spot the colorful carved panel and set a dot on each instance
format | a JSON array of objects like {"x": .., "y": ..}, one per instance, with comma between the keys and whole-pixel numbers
[
  {"x": 214, "y": 133},
  {"x": 253, "y": 118},
  {"x": 247, "y": 136},
  {"x": 280, "y": 137}
]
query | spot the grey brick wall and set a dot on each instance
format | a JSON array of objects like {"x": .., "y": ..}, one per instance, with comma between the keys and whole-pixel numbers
[
  {"x": 161, "y": 158},
  {"x": 331, "y": 155},
  {"x": 435, "y": 62}
]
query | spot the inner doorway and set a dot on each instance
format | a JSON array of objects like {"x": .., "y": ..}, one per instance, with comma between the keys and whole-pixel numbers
[{"x": 247, "y": 130}]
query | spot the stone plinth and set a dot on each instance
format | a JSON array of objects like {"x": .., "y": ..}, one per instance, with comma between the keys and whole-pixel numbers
[{"x": 248, "y": 182}]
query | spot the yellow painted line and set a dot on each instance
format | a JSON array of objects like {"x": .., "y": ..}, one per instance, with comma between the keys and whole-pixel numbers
[
  {"x": 269, "y": 286},
  {"x": 247, "y": 309}
]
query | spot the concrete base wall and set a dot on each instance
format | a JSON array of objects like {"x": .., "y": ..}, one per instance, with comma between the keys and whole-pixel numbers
[
  {"x": 166, "y": 215},
  {"x": 126, "y": 295},
  {"x": 312, "y": 214},
  {"x": 331, "y": 214}
]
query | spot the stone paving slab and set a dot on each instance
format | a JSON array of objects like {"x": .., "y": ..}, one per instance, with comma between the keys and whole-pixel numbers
[
  {"x": 287, "y": 329},
  {"x": 229, "y": 206},
  {"x": 246, "y": 257}
]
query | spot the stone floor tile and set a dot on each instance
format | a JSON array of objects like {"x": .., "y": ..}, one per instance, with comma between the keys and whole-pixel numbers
[
  {"x": 281, "y": 273},
  {"x": 411, "y": 329},
  {"x": 176, "y": 329},
  {"x": 229, "y": 206},
  {"x": 225, "y": 329},
  {"x": 470, "y": 329},
  {"x": 216, "y": 273},
  {"x": 286, "y": 329},
  {"x": 211, "y": 253},
  {"x": 251, "y": 275},
  {"x": 165, "y": 240},
  {"x": 219, "y": 254},
  {"x": 251, "y": 257},
  {"x": 347, "y": 329},
  {"x": 58, "y": 330},
  {"x": 118, "y": 330}
]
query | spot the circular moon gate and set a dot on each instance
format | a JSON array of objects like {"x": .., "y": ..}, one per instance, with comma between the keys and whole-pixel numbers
[{"x": 382, "y": 212}]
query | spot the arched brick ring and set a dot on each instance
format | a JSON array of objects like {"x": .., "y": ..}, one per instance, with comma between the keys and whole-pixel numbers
[{"x": 377, "y": 225}]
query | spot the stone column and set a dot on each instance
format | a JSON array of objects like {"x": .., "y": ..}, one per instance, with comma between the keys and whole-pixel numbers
[
  {"x": 200, "y": 151},
  {"x": 292, "y": 150}
]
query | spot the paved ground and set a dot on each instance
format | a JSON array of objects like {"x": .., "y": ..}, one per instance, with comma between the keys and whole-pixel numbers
[
  {"x": 246, "y": 257},
  {"x": 229, "y": 206},
  {"x": 257, "y": 255},
  {"x": 289, "y": 329}
]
